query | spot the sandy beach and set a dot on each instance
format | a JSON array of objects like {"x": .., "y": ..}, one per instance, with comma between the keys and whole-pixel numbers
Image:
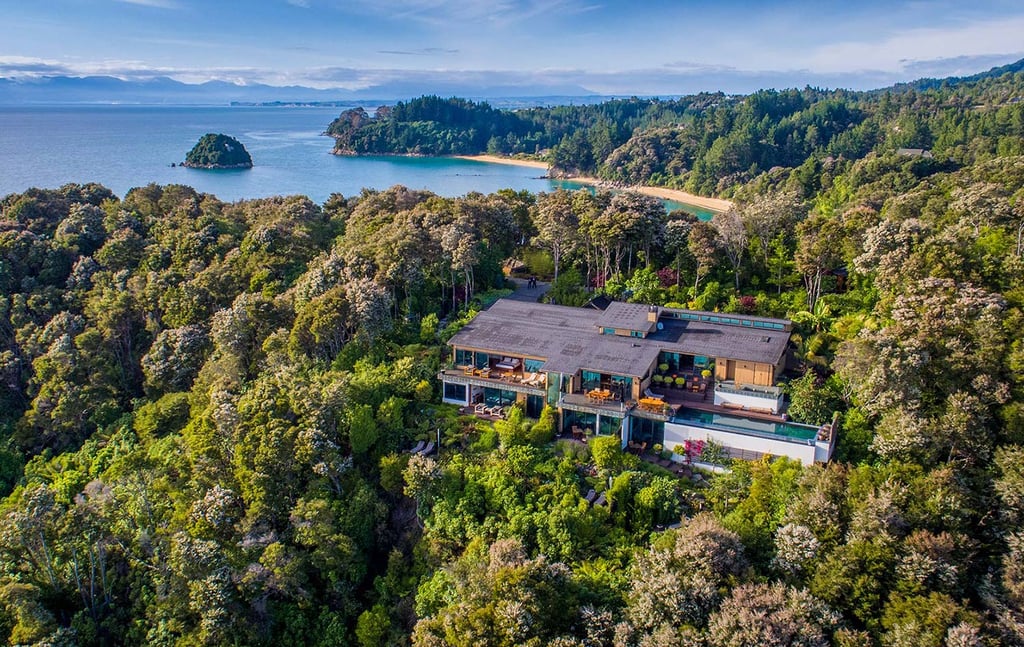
[
  {"x": 498, "y": 159},
  {"x": 711, "y": 204}
]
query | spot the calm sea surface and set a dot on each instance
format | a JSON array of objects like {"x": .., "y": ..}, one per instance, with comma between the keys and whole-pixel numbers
[{"x": 127, "y": 146}]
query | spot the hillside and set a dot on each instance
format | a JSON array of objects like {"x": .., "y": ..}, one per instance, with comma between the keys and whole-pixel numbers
[
  {"x": 207, "y": 408},
  {"x": 710, "y": 143}
]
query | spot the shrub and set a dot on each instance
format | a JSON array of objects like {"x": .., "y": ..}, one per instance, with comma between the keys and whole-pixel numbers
[
  {"x": 543, "y": 431},
  {"x": 607, "y": 452}
]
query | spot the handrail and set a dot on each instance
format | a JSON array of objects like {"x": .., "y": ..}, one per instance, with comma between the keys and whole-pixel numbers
[{"x": 772, "y": 392}]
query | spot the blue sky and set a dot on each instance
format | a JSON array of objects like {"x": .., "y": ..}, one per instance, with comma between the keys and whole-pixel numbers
[{"x": 609, "y": 47}]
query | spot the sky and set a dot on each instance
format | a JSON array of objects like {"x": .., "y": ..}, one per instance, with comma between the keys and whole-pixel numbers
[{"x": 602, "y": 46}]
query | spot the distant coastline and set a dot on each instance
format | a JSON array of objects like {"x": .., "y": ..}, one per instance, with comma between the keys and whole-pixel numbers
[{"x": 716, "y": 205}]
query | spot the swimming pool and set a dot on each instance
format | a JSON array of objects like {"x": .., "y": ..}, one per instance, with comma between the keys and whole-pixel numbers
[{"x": 729, "y": 422}]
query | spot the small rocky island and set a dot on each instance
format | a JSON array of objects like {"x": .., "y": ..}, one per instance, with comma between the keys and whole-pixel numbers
[{"x": 218, "y": 151}]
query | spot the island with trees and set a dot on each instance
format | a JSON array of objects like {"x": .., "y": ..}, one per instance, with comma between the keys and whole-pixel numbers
[
  {"x": 207, "y": 408},
  {"x": 218, "y": 151}
]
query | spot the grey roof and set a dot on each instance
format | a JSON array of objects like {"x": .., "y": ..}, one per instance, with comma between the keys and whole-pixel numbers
[
  {"x": 625, "y": 316},
  {"x": 568, "y": 339},
  {"x": 719, "y": 340}
]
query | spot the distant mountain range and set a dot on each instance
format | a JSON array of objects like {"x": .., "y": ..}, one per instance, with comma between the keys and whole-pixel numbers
[{"x": 164, "y": 90}]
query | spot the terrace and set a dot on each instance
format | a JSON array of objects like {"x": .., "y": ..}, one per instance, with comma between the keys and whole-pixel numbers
[{"x": 518, "y": 381}]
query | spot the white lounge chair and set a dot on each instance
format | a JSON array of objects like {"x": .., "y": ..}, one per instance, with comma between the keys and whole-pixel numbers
[
  {"x": 418, "y": 448},
  {"x": 429, "y": 449},
  {"x": 651, "y": 394}
]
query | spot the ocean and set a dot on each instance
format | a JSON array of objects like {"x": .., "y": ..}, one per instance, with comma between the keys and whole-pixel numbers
[{"x": 122, "y": 147}]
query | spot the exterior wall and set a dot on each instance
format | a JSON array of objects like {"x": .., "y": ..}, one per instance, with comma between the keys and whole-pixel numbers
[
  {"x": 744, "y": 372},
  {"x": 676, "y": 434}
]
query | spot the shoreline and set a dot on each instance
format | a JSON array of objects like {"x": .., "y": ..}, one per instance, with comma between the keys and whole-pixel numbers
[
  {"x": 507, "y": 161},
  {"x": 716, "y": 205}
]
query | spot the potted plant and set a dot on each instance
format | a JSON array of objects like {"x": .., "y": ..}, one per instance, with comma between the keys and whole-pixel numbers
[
  {"x": 706, "y": 373},
  {"x": 680, "y": 382},
  {"x": 663, "y": 368},
  {"x": 658, "y": 379}
]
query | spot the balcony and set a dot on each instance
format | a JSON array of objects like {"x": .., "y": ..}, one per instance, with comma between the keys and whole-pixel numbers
[
  {"x": 530, "y": 384},
  {"x": 589, "y": 404}
]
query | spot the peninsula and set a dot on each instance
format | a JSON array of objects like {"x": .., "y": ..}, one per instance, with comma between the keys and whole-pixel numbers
[{"x": 218, "y": 151}]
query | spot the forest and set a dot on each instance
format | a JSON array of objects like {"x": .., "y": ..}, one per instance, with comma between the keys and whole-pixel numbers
[
  {"x": 206, "y": 407},
  {"x": 710, "y": 143}
]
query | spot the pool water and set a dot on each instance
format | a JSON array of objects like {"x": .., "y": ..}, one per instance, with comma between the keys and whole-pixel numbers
[{"x": 730, "y": 422}]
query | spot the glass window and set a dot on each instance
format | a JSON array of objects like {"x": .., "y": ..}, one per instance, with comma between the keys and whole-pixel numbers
[
  {"x": 610, "y": 426},
  {"x": 534, "y": 405},
  {"x": 591, "y": 380},
  {"x": 554, "y": 383},
  {"x": 482, "y": 360},
  {"x": 455, "y": 392},
  {"x": 578, "y": 419},
  {"x": 642, "y": 430},
  {"x": 499, "y": 397},
  {"x": 463, "y": 357},
  {"x": 607, "y": 331},
  {"x": 622, "y": 386},
  {"x": 532, "y": 365}
]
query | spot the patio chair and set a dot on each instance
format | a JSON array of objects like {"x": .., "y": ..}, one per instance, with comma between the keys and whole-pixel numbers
[
  {"x": 418, "y": 448},
  {"x": 480, "y": 408}
]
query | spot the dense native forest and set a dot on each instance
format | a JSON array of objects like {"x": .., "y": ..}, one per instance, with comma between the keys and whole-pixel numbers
[
  {"x": 205, "y": 408},
  {"x": 710, "y": 143}
]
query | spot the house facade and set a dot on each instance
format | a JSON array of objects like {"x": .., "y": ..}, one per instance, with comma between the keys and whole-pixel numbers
[{"x": 646, "y": 374}]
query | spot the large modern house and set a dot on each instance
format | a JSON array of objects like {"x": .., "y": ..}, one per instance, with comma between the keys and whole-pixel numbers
[{"x": 643, "y": 373}]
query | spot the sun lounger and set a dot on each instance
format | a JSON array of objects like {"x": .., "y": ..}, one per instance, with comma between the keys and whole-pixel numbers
[
  {"x": 428, "y": 450},
  {"x": 591, "y": 496},
  {"x": 480, "y": 408},
  {"x": 601, "y": 500},
  {"x": 651, "y": 394},
  {"x": 418, "y": 448}
]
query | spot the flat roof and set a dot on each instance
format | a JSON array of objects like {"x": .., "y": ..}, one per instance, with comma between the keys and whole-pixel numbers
[
  {"x": 566, "y": 337},
  {"x": 569, "y": 340},
  {"x": 719, "y": 340},
  {"x": 625, "y": 316}
]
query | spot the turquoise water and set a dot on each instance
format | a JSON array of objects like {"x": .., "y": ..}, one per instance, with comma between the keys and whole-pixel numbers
[
  {"x": 127, "y": 146},
  {"x": 747, "y": 425}
]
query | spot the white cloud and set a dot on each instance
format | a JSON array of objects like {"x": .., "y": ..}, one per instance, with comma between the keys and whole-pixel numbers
[
  {"x": 892, "y": 54},
  {"x": 158, "y": 4}
]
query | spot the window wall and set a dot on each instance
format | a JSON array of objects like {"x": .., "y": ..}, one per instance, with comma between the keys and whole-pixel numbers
[
  {"x": 534, "y": 405},
  {"x": 455, "y": 392},
  {"x": 642, "y": 430},
  {"x": 609, "y": 426},
  {"x": 579, "y": 419},
  {"x": 499, "y": 397}
]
